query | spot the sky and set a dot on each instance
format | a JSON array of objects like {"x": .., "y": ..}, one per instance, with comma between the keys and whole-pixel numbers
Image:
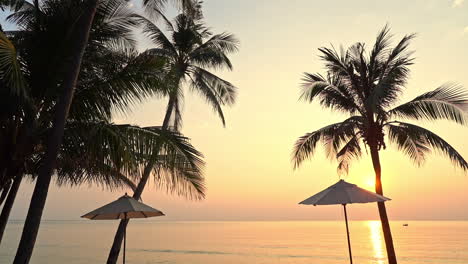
[{"x": 249, "y": 175}]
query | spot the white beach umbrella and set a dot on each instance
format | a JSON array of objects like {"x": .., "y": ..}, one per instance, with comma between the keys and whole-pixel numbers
[
  {"x": 344, "y": 193},
  {"x": 125, "y": 207}
]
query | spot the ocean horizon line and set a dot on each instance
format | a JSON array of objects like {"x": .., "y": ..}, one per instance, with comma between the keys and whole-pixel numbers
[{"x": 253, "y": 220}]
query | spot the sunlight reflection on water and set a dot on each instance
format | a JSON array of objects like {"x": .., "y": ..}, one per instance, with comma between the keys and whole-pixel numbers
[{"x": 377, "y": 242}]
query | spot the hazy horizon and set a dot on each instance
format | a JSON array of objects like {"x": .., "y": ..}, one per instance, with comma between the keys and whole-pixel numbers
[{"x": 249, "y": 174}]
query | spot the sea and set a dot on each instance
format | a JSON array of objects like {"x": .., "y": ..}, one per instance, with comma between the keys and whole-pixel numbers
[{"x": 298, "y": 242}]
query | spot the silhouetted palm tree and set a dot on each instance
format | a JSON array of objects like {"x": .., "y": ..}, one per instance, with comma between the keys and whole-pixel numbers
[
  {"x": 190, "y": 52},
  {"x": 46, "y": 31},
  {"x": 366, "y": 86},
  {"x": 79, "y": 40}
]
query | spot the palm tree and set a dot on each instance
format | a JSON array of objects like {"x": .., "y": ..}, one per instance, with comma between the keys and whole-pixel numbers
[
  {"x": 50, "y": 28},
  {"x": 366, "y": 86},
  {"x": 79, "y": 41},
  {"x": 13, "y": 94},
  {"x": 190, "y": 52},
  {"x": 19, "y": 120},
  {"x": 111, "y": 156},
  {"x": 43, "y": 64},
  {"x": 110, "y": 80},
  {"x": 45, "y": 33}
]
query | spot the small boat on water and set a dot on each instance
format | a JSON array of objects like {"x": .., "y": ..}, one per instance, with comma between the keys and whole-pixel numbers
[{"x": 405, "y": 224}]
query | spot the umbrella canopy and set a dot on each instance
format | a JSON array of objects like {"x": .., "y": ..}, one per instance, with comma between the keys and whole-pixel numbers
[
  {"x": 123, "y": 208},
  {"x": 343, "y": 192}
]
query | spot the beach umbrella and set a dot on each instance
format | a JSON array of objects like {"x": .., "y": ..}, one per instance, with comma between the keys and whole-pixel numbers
[
  {"x": 123, "y": 208},
  {"x": 344, "y": 193}
]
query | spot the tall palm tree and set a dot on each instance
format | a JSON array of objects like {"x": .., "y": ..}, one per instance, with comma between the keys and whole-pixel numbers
[
  {"x": 79, "y": 40},
  {"x": 36, "y": 20},
  {"x": 13, "y": 95},
  {"x": 190, "y": 52},
  {"x": 109, "y": 80},
  {"x": 71, "y": 24},
  {"x": 366, "y": 86}
]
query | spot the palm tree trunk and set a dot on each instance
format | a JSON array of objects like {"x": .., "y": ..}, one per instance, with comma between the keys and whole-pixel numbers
[
  {"x": 169, "y": 110},
  {"x": 9, "y": 204},
  {"x": 33, "y": 219},
  {"x": 37, "y": 13},
  {"x": 119, "y": 235},
  {"x": 382, "y": 210}
]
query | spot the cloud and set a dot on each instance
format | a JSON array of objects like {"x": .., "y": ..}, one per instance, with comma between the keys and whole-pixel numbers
[{"x": 457, "y": 3}]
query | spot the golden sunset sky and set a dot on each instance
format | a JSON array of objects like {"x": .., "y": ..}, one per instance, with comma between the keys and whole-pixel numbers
[{"x": 249, "y": 174}]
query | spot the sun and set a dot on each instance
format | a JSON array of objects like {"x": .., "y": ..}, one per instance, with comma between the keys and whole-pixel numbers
[{"x": 369, "y": 183}]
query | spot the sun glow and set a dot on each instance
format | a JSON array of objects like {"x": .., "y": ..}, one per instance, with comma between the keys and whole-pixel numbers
[{"x": 369, "y": 183}]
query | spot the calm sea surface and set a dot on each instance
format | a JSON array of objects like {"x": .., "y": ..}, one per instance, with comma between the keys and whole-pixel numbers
[{"x": 78, "y": 242}]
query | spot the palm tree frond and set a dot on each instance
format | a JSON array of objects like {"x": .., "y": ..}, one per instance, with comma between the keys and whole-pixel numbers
[
  {"x": 181, "y": 179},
  {"x": 416, "y": 141},
  {"x": 412, "y": 144},
  {"x": 10, "y": 68},
  {"x": 213, "y": 53},
  {"x": 350, "y": 151},
  {"x": 331, "y": 136},
  {"x": 156, "y": 7},
  {"x": 448, "y": 102},
  {"x": 157, "y": 35},
  {"x": 114, "y": 24},
  {"x": 390, "y": 85},
  {"x": 380, "y": 49},
  {"x": 331, "y": 92},
  {"x": 216, "y": 91},
  {"x": 13, "y": 5}
]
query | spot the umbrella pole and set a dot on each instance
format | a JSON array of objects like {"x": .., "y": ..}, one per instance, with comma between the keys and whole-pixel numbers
[
  {"x": 125, "y": 245},
  {"x": 347, "y": 233},
  {"x": 125, "y": 240}
]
